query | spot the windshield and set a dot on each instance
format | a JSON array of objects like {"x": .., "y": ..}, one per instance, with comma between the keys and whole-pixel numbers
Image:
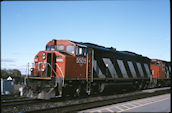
[
  {"x": 60, "y": 47},
  {"x": 70, "y": 49},
  {"x": 52, "y": 47},
  {"x": 155, "y": 63}
]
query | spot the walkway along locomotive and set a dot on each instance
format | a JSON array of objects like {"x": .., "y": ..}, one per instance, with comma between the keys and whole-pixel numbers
[{"x": 69, "y": 67}]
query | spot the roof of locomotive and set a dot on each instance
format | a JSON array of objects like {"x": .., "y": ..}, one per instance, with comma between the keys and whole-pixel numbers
[
  {"x": 111, "y": 49},
  {"x": 106, "y": 49},
  {"x": 95, "y": 46}
]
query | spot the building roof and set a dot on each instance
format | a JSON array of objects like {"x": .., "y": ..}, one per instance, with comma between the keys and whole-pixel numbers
[{"x": 9, "y": 78}]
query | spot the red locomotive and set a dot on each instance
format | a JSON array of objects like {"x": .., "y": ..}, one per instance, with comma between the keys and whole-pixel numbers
[
  {"x": 161, "y": 71},
  {"x": 77, "y": 68}
]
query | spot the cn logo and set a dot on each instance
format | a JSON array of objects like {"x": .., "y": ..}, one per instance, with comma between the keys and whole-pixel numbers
[{"x": 81, "y": 60}]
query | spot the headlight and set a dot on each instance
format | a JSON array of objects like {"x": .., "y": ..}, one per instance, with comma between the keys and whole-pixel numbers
[{"x": 43, "y": 57}]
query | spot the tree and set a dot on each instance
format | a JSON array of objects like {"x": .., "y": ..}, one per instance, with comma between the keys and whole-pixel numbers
[
  {"x": 4, "y": 74},
  {"x": 14, "y": 73}
]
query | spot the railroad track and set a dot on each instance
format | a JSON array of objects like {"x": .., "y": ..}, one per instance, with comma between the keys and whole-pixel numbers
[
  {"x": 14, "y": 100},
  {"x": 10, "y": 97},
  {"x": 69, "y": 105},
  {"x": 18, "y": 101}
]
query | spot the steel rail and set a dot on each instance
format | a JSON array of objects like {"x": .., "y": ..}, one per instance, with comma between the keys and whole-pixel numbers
[{"x": 82, "y": 103}]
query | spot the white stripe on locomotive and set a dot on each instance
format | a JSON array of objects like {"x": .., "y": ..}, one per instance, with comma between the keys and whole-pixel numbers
[
  {"x": 140, "y": 69},
  {"x": 122, "y": 68},
  {"x": 97, "y": 70},
  {"x": 147, "y": 70},
  {"x": 110, "y": 67},
  {"x": 131, "y": 66}
]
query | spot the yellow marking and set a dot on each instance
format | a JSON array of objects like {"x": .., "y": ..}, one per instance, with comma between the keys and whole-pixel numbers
[
  {"x": 142, "y": 102},
  {"x": 47, "y": 78},
  {"x": 152, "y": 100},
  {"x": 119, "y": 108},
  {"x": 125, "y": 106},
  {"x": 142, "y": 105},
  {"x": 109, "y": 110},
  {"x": 99, "y": 111},
  {"x": 128, "y": 108},
  {"x": 130, "y": 104},
  {"x": 136, "y": 103}
]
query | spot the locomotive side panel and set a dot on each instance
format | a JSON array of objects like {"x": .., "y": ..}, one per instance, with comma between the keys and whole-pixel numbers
[
  {"x": 75, "y": 68},
  {"x": 116, "y": 65}
]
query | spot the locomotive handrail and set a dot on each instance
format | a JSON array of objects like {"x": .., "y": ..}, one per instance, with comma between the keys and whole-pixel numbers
[
  {"x": 54, "y": 70},
  {"x": 87, "y": 68},
  {"x": 92, "y": 65},
  {"x": 51, "y": 68},
  {"x": 46, "y": 65},
  {"x": 61, "y": 73}
]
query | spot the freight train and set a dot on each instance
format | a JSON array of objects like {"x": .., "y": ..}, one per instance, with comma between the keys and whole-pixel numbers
[{"x": 76, "y": 68}]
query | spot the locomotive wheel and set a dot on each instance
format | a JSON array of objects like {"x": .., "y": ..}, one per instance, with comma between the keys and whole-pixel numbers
[
  {"x": 101, "y": 87},
  {"x": 140, "y": 85},
  {"x": 146, "y": 85},
  {"x": 163, "y": 83},
  {"x": 77, "y": 92},
  {"x": 136, "y": 85},
  {"x": 159, "y": 84},
  {"x": 154, "y": 83}
]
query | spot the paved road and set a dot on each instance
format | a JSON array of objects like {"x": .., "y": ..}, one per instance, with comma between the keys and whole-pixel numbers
[{"x": 159, "y": 103}]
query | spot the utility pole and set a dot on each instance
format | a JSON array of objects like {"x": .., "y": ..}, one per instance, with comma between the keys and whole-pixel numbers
[
  {"x": 28, "y": 70},
  {"x": 25, "y": 76}
]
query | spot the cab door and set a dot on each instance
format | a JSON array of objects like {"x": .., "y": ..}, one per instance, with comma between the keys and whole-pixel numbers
[{"x": 51, "y": 65}]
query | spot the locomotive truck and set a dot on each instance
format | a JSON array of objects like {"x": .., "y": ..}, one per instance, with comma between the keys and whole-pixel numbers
[{"x": 76, "y": 68}]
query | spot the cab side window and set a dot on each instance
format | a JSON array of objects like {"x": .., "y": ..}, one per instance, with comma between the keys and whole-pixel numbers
[
  {"x": 70, "y": 49},
  {"x": 81, "y": 51}
]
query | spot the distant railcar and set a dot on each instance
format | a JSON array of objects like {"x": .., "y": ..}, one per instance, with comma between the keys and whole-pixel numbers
[
  {"x": 161, "y": 72},
  {"x": 69, "y": 67}
]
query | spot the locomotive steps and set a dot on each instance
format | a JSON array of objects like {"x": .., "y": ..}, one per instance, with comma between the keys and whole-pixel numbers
[{"x": 80, "y": 104}]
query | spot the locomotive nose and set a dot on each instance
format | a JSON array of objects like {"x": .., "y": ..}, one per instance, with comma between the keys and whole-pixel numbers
[
  {"x": 48, "y": 77},
  {"x": 49, "y": 64}
]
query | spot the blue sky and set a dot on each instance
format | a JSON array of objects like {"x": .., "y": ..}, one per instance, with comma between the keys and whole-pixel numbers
[{"x": 141, "y": 26}]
